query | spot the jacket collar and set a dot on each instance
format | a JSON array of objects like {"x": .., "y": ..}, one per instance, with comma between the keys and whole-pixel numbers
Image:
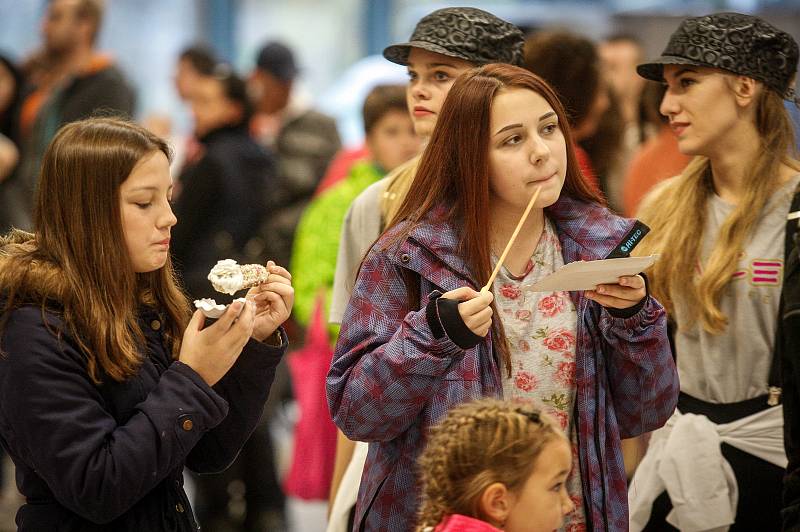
[{"x": 587, "y": 231}]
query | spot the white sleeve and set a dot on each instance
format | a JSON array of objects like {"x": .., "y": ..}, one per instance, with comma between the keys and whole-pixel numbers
[{"x": 361, "y": 228}]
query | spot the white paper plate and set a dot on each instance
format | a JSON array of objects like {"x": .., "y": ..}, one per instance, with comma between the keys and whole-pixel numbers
[
  {"x": 210, "y": 308},
  {"x": 586, "y": 275}
]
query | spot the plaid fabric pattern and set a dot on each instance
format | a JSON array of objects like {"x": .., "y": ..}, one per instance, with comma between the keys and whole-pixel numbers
[{"x": 390, "y": 379}]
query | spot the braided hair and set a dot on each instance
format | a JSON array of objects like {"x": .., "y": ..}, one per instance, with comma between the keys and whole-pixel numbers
[{"x": 476, "y": 445}]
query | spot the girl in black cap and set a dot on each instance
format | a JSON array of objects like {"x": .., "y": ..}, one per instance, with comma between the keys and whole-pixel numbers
[{"x": 721, "y": 230}]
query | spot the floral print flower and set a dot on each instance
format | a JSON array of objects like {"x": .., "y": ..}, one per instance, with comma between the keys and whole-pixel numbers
[
  {"x": 510, "y": 291},
  {"x": 551, "y": 305},
  {"x": 575, "y": 527},
  {"x": 559, "y": 340},
  {"x": 525, "y": 381},
  {"x": 524, "y": 315},
  {"x": 565, "y": 373},
  {"x": 561, "y": 417}
]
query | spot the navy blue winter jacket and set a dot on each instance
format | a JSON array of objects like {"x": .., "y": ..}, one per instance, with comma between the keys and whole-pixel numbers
[{"x": 110, "y": 456}]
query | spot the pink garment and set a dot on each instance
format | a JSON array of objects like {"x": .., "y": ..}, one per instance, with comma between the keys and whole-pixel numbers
[
  {"x": 462, "y": 523},
  {"x": 314, "y": 452}
]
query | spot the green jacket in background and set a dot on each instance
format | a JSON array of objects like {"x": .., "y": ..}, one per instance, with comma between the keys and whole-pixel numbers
[{"x": 317, "y": 241}]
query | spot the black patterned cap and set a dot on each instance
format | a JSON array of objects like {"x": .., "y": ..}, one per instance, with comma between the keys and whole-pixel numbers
[
  {"x": 742, "y": 44},
  {"x": 463, "y": 32}
]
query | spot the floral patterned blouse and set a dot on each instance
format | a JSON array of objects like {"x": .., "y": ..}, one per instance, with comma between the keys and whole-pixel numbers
[{"x": 541, "y": 328}]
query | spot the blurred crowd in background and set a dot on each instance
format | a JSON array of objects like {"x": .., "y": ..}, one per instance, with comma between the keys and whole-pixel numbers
[{"x": 278, "y": 114}]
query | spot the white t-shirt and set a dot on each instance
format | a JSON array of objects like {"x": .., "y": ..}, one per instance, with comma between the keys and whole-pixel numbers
[
  {"x": 361, "y": 227},
  {"x": 734, "y": 366}
]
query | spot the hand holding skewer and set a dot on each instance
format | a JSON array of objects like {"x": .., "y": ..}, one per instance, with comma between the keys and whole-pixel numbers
[{"x": 499, "y": 264}]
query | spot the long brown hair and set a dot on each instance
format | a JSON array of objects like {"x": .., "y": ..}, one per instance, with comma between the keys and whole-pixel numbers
[
  {"x": 454, "y": 169},
  {"x": 79, "y": 236},
  {"x": 570, "y": 64},
  {"x": 676, "y": 214},
  {"x": 476, "y": 445}
]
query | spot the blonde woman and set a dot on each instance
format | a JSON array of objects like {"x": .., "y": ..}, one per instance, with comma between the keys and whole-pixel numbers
[{"x": 719, "y": 228}]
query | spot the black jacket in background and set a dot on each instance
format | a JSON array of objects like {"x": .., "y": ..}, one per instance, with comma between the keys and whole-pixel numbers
[
  {"x": 103, "y": 91},
  {"x": 788, "y": 348},
  {"x": 224, "y": 198}
]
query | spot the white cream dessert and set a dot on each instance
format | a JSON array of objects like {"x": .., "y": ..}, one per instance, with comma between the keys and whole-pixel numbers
[
  {"x": 229, "y": 277},
  {"x": 211, "y": 308}
]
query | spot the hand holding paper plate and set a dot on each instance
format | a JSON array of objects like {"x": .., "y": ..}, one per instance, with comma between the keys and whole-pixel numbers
[
  {"x": 586, "y": 275},
  {"x": 579, "y": 275}
]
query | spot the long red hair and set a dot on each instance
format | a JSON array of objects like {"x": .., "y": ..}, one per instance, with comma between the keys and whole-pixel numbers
[{"x": 454, "y": 169}]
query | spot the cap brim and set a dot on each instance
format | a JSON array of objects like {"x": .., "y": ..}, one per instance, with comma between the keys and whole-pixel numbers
[
  {"x": 654, "y": 70},
  {"x": 398, "y": 53}
]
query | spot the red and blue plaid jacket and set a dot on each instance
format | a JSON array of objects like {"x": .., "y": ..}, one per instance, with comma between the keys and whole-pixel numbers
[{"x": 390, "y": 379}]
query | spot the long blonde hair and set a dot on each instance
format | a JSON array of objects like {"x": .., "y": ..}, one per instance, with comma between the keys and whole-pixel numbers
[
  {"x": 396, "y": 191},
  {"x": 676, "y": 214},
  {"x": 476, "y": 445}
]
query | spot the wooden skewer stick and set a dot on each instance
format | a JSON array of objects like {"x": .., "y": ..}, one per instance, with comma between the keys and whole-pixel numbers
[{"x": 511, "y": 240}]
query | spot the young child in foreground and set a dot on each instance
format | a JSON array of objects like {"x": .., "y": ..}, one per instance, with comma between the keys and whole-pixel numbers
[{"x": 493, "y": 465}]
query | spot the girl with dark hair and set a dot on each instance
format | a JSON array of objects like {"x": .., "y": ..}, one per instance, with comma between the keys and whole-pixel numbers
[
  {"x": 444, "y": 44},
  {"x": 107, "y": 387},
  {"x": 722, "y": 232},
  {"x": 598, "y": 361}
]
